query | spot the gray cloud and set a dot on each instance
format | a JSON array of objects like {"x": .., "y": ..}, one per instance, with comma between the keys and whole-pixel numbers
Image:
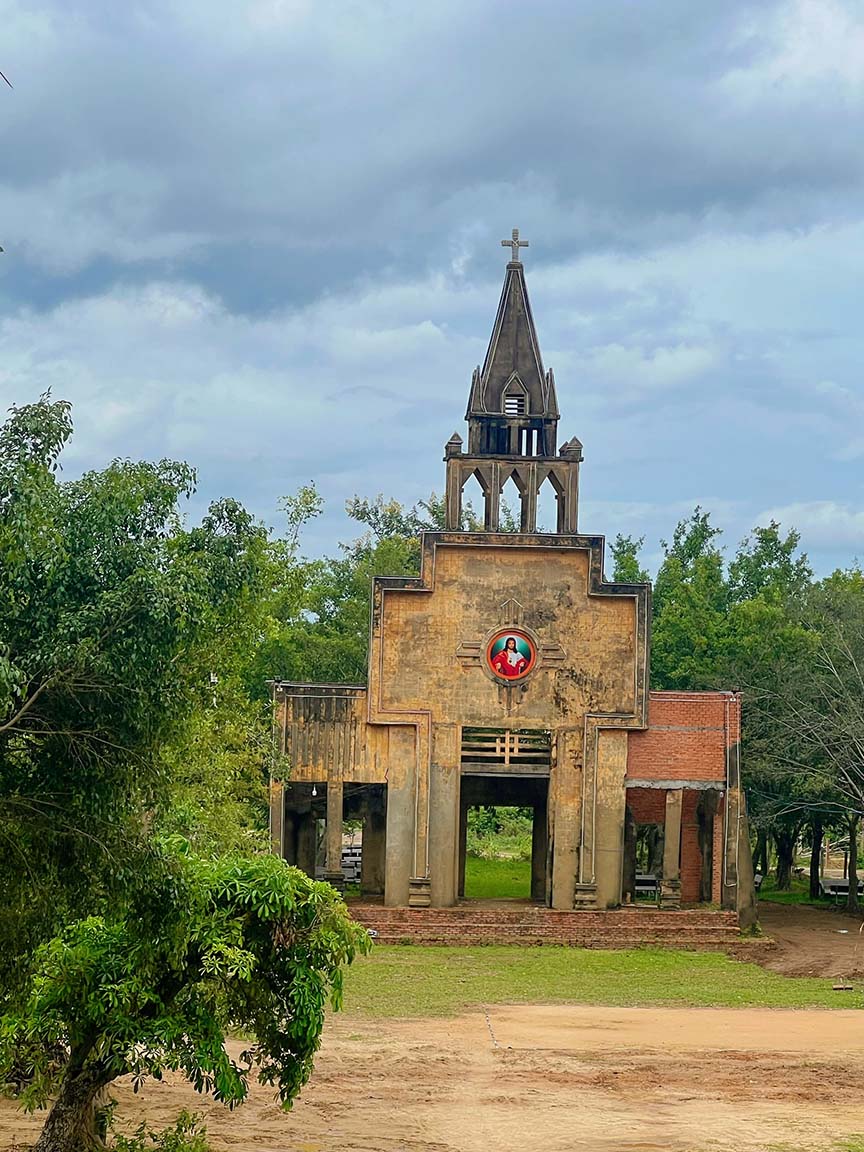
[{"x": 264, "y": 236}]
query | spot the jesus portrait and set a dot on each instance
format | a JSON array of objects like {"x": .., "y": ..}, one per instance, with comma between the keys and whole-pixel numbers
[{"x": 510, "y": 656}]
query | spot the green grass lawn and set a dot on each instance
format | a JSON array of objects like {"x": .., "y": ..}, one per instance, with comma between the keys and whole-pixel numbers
[
  {"x": 497, "y": 879},
  {"x": 412, "y": 980},
  {"x": 799, "y": 893}
]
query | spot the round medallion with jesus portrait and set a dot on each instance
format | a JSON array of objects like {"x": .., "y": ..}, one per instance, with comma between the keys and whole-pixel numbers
[{"x": 511, "y": 654}]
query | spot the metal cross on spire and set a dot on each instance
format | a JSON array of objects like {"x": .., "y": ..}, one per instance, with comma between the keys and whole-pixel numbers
[{"x": 514, "y": 245}]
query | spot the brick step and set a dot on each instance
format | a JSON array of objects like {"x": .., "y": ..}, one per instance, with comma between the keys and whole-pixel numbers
[
  {"x": 577, "y": 923},
  {"x": 419, "y": 932},
  {"x": 512, "y": 931},
  {"x": 434, "y": 936},
  {"x": 528, "y": 926},
  {"x": 643, "y": 920}
]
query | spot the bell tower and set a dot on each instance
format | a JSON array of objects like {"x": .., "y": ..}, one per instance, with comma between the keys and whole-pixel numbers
[{"x": 513, "y": 420}]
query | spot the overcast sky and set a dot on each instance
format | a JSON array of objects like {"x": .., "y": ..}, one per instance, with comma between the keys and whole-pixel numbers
[{"x": 263, "y": 237}]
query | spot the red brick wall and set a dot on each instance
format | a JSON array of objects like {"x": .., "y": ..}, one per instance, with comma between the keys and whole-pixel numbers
[
  {"x": 648, "y": 805},
  {"x": 687, "y": 737}
]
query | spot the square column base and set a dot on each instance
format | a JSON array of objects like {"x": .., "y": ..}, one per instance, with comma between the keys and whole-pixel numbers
[
  {"x": 670, "y": 894},
  {"x": 585, "y": 897},
  {"x": 335, "y": 879},
  {"x": 420, "y": 892}
]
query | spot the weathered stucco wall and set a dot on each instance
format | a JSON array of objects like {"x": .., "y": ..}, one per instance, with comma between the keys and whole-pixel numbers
[
  {"x": 324, "y": 733},
  {"x": 421, "y": 633}
]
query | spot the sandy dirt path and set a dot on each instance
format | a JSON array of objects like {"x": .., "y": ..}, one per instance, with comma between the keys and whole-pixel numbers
[
  {"x": 550, "y": 1079},
  {"x": 812, "y": 941}
]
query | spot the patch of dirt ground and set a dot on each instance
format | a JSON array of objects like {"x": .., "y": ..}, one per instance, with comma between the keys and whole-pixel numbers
[
  {"x": 812, "y": 941},
  {"x": 548, "y": 1078}
]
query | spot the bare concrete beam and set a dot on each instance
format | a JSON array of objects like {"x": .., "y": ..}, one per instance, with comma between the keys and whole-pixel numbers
[{"x": 671, "y": 785}]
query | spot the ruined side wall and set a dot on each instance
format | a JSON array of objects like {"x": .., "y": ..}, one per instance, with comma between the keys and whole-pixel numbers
[
  {"x": 691, "y": 738},
  {"x": 324, "y": 734}
]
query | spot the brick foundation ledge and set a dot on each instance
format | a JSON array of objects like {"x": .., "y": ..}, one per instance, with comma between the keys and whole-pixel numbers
[{"x": 532, "y": 925}]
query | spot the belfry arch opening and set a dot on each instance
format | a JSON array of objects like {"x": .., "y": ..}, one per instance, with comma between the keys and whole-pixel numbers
[
  {"x": 549, "y": 505},
  {"x": 474, "y": 501},
  {"x": 512, "y": 506}
]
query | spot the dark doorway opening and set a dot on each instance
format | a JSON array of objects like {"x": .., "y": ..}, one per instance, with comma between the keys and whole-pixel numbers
[{"x": 357, "y": 849}]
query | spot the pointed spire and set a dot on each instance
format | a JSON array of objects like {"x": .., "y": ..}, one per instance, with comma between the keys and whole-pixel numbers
[{"x": 513, "y": 363}]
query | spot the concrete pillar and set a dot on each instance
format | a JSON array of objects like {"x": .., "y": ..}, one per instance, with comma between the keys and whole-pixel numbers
[
  {"x": 306, "y": 842},
  {"x": 717, "y": 852},
  {"x": 567, "y": 814},
  {"x": 463, "y": 847},
  {"x": 611, "y": 798},
  {"x": 374, "y": 854},
  {"x": 539, "y": 849},
  {"x": 401, "y": 800},
  {"x": 529, "y": 501},
  {"x": 444, "y": 817},
  {"x": 739, "y": 893},
  {"x": 333, "y": 863},
  {"x": 670, "y": 885},
  {"x": 706, "y": 811},
  {"x": 454, "y": 496},
  {"x": 400, "y": 845},
  {"x": 277, "y": 816},
  {"x": 493, "y": 497}
]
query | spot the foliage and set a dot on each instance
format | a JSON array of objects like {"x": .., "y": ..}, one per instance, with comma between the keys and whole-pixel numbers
[
  {"x": 110, "y": 613},
  {"x": 187, "y": 1135},
  {"x": 500, "y": 832},
  {"x": 207, "y": 946},
  {"x": 626, "y": 566},
  {"x": 690, "y": 602}
]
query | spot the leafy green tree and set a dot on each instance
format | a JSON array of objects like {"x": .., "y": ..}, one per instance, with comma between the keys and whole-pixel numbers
[
  {"x": 824, "y": 706},
  {"x": 107, "y": 604},
  {"x": 626, "y": 565},
  {"x": 766, "y": 565},
  {"x": 690, "y": 603},
  {"x": 207, "y": 946},
  {"x": 764, "y": 649}
]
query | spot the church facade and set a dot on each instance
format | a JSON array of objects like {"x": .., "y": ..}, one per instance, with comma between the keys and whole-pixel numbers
[{"x": 511, "y": 672}]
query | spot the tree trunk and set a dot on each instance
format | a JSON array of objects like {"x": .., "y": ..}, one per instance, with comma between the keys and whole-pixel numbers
[
  {"x": 71, "y": 1123},
  {"x": 654, "y": 845},
  {"x": 785, "y": 841},
  {"x": 760, "y": 855},
  {"x": 852, "y": 898},
  {"x": 815, "y": 856}
]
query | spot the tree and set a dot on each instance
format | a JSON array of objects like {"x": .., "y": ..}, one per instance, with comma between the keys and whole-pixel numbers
[
  {"x": 108, "y": 609},
  {"x": 766, "y": 565},
  {"x": 690, "y": 604},
  {"x": 206, "y": 946},
  {"x": 627, "y": 568}
]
